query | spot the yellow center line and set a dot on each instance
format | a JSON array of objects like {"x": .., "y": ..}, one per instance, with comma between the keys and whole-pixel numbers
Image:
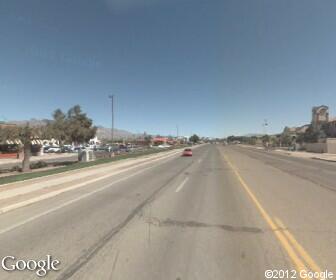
[
  {"x": 307, "y": 258},
  {"x": 299, "y": 265}
]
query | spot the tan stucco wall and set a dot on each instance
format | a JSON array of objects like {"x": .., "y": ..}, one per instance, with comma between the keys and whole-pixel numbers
[
  {"x": 328, "y": 147},
  {"x": 316, "y": 147},
  {"x": 331, "y": 145}
]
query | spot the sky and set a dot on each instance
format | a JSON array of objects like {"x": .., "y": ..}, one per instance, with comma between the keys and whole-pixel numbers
[{"x": 211, "y": 67}]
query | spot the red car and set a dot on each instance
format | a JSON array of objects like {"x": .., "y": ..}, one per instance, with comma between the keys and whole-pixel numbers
[{"x": 187, "y": 153}]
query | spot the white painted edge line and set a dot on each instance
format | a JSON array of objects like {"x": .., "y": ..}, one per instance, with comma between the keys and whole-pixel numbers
[
  {"x": 54, "y": 193},
  {"x": 182, "y": 184}
]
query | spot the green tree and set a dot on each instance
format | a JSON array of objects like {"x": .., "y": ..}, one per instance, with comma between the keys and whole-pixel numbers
[
  {"x": 252, "y": 140},
  {"x": 73, "y": 127},
  {"x": 286, "y": 138},
  {"x": 78, "y": 127},
  {"x": 265, "y": 139},
  {"x": 58, "y": 127},
  {"x": 231, "y": 138},
  {"x": 194, "y": 138},
  {"x": 275, "y": 140},
  {"x": 148, "y": 139},
  {"x": 8, "y": 133},
  {"x": 311, "y": 135}
]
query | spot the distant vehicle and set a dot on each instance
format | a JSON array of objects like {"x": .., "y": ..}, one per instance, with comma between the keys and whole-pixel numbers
[
  {"x": 164, "y": 146},
  {"x": 123, "y": 148},
  {"x": 101, "y": 149},
  {"x": 53, "y": 149},
  {"x": 187, "y": 153},
  {"x": 77, "y": 149},
  {"x": 66, "y": 149},
  {"x": 113, "y": 148}
]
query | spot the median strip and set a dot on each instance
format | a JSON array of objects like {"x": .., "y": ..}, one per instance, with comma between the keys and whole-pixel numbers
[{"x": 76, "y": 166}]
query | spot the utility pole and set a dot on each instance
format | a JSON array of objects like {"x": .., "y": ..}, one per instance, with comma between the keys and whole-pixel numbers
[
  {"x": 112, "y": 120},
  {"x": 265, "y": 125},
  {"x": 177, "y": 131}
]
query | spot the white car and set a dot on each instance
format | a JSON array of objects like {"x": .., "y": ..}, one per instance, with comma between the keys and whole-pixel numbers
[
  {"x": 53, "y": 149},
  {"x": 164, "y": 146}
]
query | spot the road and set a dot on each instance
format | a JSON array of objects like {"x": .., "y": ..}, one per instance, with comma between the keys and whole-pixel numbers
[{"x": 226, "y": 213}]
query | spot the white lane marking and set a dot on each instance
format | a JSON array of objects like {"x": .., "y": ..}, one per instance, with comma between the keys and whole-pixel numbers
[
  {"x": 200, "y": 160},
  {"x": 75, "y": 200},
  {"x": 182, "y": 185}
]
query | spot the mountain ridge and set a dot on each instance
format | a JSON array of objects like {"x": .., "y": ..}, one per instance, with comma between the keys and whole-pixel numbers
[{"x": 102, "y": 132}]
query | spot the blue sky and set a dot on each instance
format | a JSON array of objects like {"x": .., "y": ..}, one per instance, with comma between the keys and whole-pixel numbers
[{"x": 214, "y": 67}]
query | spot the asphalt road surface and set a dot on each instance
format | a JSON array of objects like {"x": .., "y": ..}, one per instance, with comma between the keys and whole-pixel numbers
[{"x": 226, "y": 213}]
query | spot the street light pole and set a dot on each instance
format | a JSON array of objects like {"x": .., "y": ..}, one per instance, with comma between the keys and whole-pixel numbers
[
  {"x": 112, "y": 115},
  {"x": 265, "y": 125}
]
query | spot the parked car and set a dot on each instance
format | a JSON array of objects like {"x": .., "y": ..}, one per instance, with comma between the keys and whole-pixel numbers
[
  {"x": 66, "y": 149},
  {"x": 187, "y": 152},
  {"x": 77, "y": 149},
  {"x": 54, "y": 149},
  {"x": 164, "y": 146}
]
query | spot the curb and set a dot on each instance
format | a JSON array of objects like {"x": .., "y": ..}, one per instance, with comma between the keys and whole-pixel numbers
[{"x": 322, "y": 159}]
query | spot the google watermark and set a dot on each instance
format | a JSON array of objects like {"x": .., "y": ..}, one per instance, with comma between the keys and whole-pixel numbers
[
  {"x": 39, "y": 267},
  {"x": 302, "y": 274}
]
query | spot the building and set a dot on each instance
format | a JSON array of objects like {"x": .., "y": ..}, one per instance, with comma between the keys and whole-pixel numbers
[
  {"x": 320, "y": 116},
  {"x": 296, "y": 130},
  {"x": 321, "y": 120}
]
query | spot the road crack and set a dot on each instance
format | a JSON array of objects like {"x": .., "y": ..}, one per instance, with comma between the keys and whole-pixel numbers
[{"x": 194, "y": 224}]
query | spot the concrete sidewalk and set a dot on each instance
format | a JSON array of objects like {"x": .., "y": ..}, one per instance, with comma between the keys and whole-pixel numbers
[
  {"x": 303, "y": 154},
  {"x": 299, "y": 154}
]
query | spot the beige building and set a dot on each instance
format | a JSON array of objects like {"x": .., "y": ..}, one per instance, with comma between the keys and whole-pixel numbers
[{"x": 320, "y": 116}]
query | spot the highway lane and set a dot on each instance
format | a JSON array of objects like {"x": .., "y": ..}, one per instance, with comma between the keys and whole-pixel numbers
[
  {"x": 225, "y": 213},
  {"x": 300, "y": 193},
  {"x": 319, "y": 172},
  {"x": 72, "y": 231}
]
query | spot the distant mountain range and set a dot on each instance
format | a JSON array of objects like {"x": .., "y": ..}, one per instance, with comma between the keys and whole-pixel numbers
[
  {"x": 102, "y": 132},
  {"x": 105, "y": 133},
  {"x": 253, "y": 135},
  {"x": 32, "y": 122}
]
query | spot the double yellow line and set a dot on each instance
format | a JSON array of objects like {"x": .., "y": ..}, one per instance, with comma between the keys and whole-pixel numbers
[{"x": 295, "y": 251}]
